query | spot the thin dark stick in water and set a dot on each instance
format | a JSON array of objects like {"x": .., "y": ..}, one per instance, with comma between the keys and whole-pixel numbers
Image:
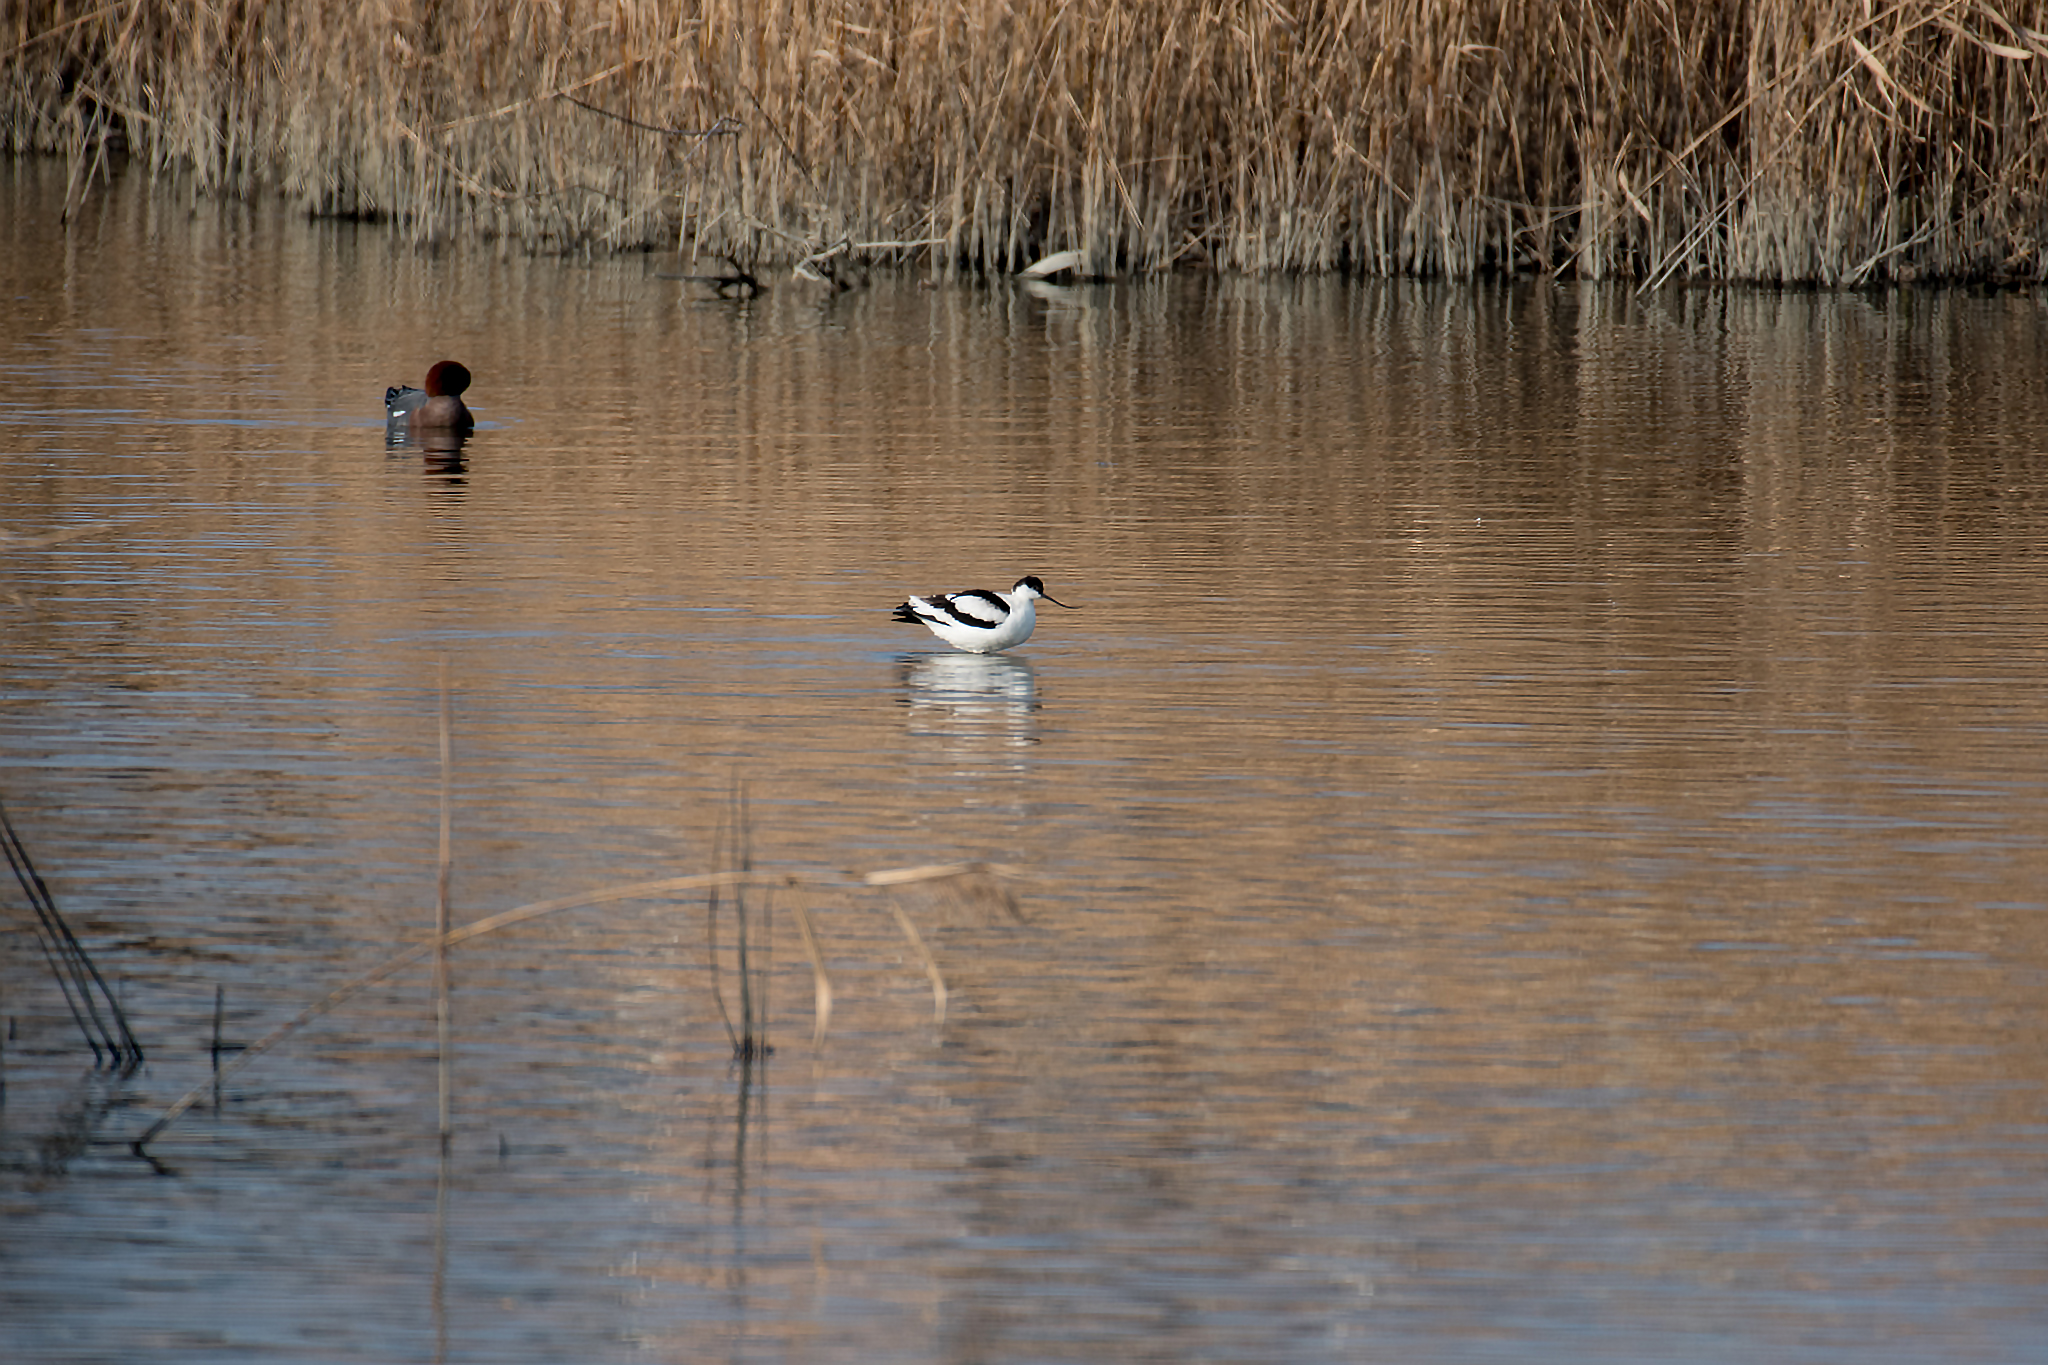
[
  {"x": 711, "y": 940},
  {"x": 753, "y": 1039},
  {"x": 443, "y": 1006},
  {"x": 220, "y": 1000},
  {"x": 85, "y": 991}
]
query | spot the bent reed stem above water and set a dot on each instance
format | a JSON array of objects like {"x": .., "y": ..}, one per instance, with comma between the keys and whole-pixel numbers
[{"x": 1829, "y": 141}]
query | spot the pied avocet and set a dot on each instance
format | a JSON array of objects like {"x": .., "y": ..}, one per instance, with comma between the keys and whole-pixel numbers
[{"x": 980, "y": 621}]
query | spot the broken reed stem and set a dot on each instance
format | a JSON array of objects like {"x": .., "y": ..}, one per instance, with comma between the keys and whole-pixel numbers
[
  {"x": 750, "y": 1039},
  {"x": 662, "y": 888},
  {"x": 1824, "y": 140},
  {"x": 821, "y": 981},
  {"x": 931, "y": 967},
  {"x": 751, "y": 1043},
  {"x": 720, "y": 839},
  {"x": 745, "y": 1044},
  {"x": 755, "y": 997},
  {"x": 711, "y": 964}
]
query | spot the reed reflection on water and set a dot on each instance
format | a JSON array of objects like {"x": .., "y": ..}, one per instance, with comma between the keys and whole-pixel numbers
[{"x": 1533, "y": 829}]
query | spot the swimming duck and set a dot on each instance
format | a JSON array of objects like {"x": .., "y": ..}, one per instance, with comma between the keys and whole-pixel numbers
[{"x": 437, "y": 407}]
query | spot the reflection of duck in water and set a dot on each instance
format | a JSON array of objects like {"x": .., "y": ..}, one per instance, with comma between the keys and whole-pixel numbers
[
  {"x": 437, "y": 408},
  {"x": 979, "y": 621}
]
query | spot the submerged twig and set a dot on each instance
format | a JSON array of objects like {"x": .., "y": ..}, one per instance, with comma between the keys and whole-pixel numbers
[{"x": 740, "y": 283}]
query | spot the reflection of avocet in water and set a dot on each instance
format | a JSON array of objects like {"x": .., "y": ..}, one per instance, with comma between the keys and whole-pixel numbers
[{"x": 973, "y": 696}]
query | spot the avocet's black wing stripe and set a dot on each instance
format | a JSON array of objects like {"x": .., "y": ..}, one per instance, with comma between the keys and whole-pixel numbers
[{"x": 976, "y": 607}]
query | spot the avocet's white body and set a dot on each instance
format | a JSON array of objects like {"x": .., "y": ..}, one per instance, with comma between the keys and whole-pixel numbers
[{"x": 978, "y": 620}]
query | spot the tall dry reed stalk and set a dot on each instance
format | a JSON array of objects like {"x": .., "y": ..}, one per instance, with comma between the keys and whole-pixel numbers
[{"x": 1824, "y": 140}]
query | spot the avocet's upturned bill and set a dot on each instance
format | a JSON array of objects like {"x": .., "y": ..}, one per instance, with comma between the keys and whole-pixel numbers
[{"x": 980, "y": 621}]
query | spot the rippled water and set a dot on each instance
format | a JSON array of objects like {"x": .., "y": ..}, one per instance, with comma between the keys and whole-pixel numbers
[{"x": 1532, "y": 839}]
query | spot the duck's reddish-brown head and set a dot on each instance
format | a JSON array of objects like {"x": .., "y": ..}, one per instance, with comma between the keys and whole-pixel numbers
[{"x": 447, "y": 377}]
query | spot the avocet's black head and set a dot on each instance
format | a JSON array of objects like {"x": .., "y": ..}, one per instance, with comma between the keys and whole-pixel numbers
[{"x": 1030, "y": 585}]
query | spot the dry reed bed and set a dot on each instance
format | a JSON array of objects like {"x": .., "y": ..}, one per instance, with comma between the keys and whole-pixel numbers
[{"x": 1829, "y": 140}]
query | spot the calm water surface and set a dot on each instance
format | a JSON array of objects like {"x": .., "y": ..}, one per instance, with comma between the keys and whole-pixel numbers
[{"x": 1534, "y": 833}]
